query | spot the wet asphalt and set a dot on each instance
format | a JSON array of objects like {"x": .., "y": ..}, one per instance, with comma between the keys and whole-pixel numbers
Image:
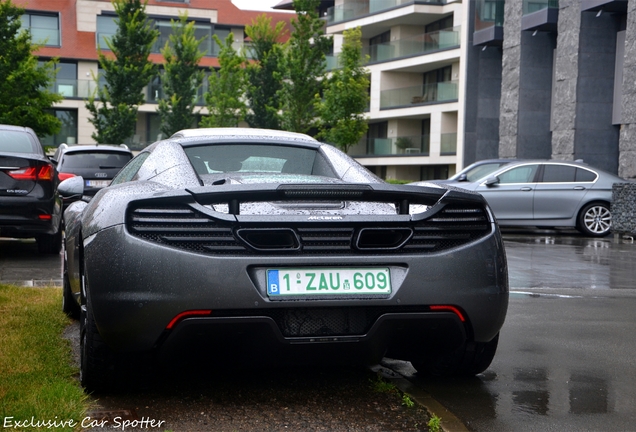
[{"x": 567, "y": 352}]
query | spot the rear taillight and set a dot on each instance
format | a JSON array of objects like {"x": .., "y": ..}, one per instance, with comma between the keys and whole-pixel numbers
[
  {"x": 33, "y": 173},
  {"x": 64, "y": 176}
]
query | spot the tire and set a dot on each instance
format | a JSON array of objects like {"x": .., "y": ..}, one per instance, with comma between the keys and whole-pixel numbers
[
  {"x": 50, "y": 243},
  {"x": 97, "y": 360},
  {"x": 595, "y": 220},
  {"x": 101, "y": 368},
  {"x": 69, "y": 304},
  {"x": 468, "y": 360}
]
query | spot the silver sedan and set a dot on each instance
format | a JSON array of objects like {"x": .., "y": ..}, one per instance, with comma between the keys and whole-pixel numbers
[{"x": 548, "y": 193}]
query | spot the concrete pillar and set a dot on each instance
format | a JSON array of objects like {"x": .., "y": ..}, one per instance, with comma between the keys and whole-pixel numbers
[
  {"x": 566, "y": 80},
  {"x": 627, "y": 141},
  {"x": 510, "y": 76}
]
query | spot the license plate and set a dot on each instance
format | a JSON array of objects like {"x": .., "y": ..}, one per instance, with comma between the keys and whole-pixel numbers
[
  {"x": 97, "y": 183},
  {"x": 328, "y": 281}
]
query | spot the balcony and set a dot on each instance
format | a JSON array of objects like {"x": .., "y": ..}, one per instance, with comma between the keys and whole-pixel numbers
[
  {"x": 359, "y": 8},
  {"x": 407, "y": 47},
  {"x": 419, "y": 95},
  {"x": 540, "y": 15},
  {"x": 414, "y": 46},
  {"x": 73, "y": 88},
  {"x": 416, "y": 145},
  {"x": 489, "y": 21}
]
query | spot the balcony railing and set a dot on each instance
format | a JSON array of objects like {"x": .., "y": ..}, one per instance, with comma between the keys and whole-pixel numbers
[
  {"x": 530, "y": 6},
  {"x": 357, "y": 8},
  {"x": 74, "y": 88},
  {"x": 403, "y": 146},
  {"x": 407, "y": 47},
  {"x": 416, "y": 95}
]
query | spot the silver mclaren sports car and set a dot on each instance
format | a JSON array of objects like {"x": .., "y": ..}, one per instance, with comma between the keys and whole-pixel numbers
[{"x": 270, "y": 246}]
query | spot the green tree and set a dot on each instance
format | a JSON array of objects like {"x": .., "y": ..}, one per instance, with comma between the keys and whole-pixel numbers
[
  {"x": 225, "y": 99},
  {"x": 346, "y": 96},
  {"x": 303, "y": 65},
  {"x": 182, "y": 77},
  {"x": 115, "y": 114},
  {"x": 263, "y": 76},
  {"x": 25, "y": 97}
]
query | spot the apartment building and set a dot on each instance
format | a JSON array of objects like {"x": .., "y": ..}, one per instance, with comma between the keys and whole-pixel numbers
[
  {"x": 415, "y": 50},
  {"x": 73, "y": 30},
  {"x": 552, "y": 79}
]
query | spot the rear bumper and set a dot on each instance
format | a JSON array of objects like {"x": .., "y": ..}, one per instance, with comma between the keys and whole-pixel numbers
[
  {"x": 137, "y": 288},
  {"x": 20, "y": 216}
]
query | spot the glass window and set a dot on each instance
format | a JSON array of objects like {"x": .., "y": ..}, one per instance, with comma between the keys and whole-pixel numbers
[
  {"x": 44, "y": 28},
  {"x": 16, "y": 142},
  {"x": 584, "y": 175},
  {"x": 558, "y": 173},
  {"x": 128, "y": 172},
  {"x": 522, "y": 174},
  {"x": 106, "y": 29},
  {"x": 96, "y": 160},
  {"x": 68, "y": 131},
  {"x": 219, "y": 158}
]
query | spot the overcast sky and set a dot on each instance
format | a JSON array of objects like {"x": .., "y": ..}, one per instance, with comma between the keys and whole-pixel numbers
[{"x": 256, "y": 4}]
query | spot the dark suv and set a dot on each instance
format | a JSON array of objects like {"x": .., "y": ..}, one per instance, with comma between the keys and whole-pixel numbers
[
  {"x": 29, "y": 203},
  {"x": 96, "y": 163}
]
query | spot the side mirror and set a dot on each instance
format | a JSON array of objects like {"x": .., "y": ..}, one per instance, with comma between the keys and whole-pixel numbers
[
  {"x": 491, "y": 181},
  {"x": 71, "y": 188},
  {"x": 462, "y": 177}
]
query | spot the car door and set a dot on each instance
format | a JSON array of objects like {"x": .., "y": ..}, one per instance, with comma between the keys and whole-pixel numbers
[
  {"x": 511, "y": 197},
  {"x": 560, "y": 189}
]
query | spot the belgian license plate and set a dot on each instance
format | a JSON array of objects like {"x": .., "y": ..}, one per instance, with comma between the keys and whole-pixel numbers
[
  {"x": 328, "y": 281},
  {"x": 97, "y": 183}
]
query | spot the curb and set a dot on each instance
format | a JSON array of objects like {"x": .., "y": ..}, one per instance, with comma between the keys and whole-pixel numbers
[{"x": 449, "y": 422}]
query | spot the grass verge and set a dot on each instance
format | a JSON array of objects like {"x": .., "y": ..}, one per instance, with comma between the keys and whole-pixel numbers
[{"x": 37, "y": 381}]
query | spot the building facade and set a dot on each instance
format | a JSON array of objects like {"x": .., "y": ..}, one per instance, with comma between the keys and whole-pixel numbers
[
  {"x": 73, "y": 30},
  {"x": 415, "y": 61},
  {"x": 552, "y": 79}
]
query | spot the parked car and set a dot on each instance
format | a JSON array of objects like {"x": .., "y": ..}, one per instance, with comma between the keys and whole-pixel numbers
[
  {"x": 271, "y": 245},
  {"x": 29, "y": 203},
  {"x": 96, "y": 163},
  {"x": 477, "y": 170},
  {"x": 548, "y": 193}
]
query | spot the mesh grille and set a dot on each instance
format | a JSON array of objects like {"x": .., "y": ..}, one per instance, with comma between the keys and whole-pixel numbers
[
  {"x": 316, "y": 322},
  {"x": 183, "y": 228}
]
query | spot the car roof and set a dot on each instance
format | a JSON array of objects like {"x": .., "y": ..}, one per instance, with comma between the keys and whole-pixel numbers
[
  {"x": 194, "y": 136},
  {"x": 96, "y": 147}
]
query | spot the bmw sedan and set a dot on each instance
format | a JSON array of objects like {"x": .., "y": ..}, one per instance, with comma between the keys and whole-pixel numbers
[
  {"x": 29, "y": 204},
  {"x": 270, "y": 245},
  {"x": 548, "y": 193}
]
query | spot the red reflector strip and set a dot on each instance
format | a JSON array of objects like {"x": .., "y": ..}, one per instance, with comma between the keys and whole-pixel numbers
[
  {"x": 187, "y": 314},
  {"x": 447, "y": 308},
  {"x": 46, "y": 217}
]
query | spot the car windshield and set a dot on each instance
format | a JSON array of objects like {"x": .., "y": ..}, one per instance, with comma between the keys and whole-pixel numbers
[
  {"x": 480, "y": 171},
  {"x": 257, "y": 158},
  {"x": 98, "y": 160},
  {"x": 16, "y": 142}
]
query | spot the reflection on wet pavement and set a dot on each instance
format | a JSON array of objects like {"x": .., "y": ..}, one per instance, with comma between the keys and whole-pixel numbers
[
  {"x": 569, "y": 262},
  {"x": 567, "y": 353}
]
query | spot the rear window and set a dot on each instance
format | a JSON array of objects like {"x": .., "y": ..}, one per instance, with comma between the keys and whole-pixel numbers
[
  {"x": 103, "y": 160},
  {"x": 17, "y": 142},
  {"x": 257, "y": 158}
]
